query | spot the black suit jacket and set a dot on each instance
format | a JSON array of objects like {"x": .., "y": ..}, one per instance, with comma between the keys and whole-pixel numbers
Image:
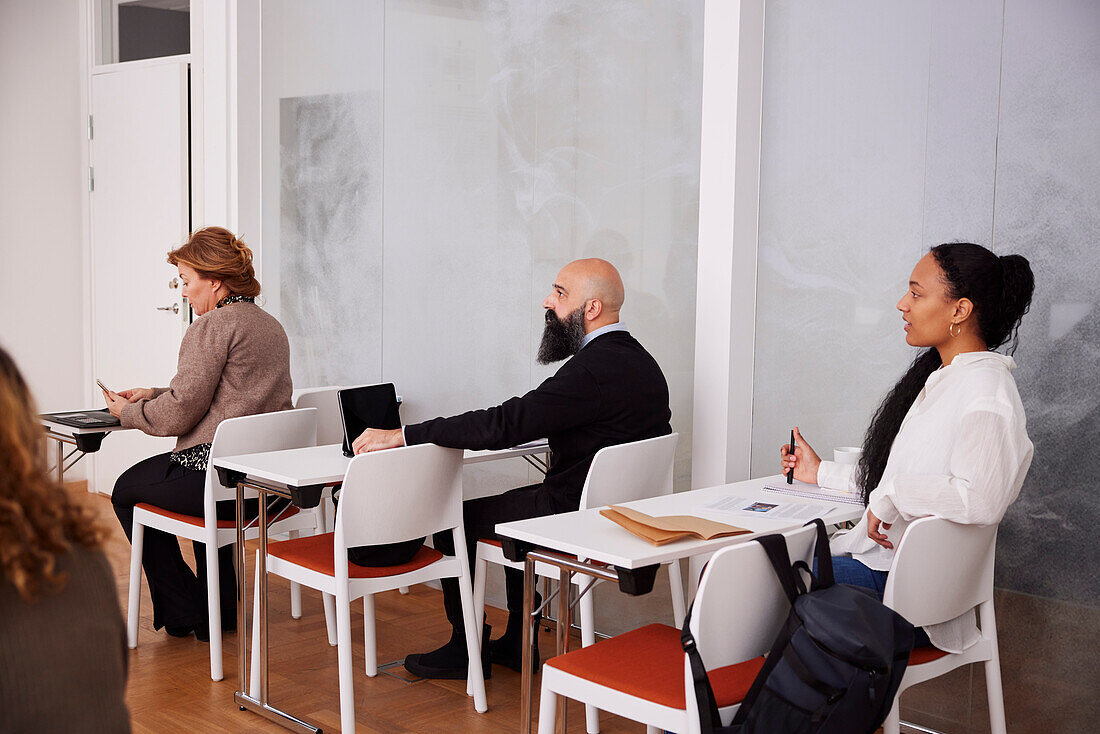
[{"x": 610, "y": 392}]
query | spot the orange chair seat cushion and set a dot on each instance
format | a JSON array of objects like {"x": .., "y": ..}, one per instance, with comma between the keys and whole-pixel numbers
[
  {"x": 199, "y": 522},
  {"x": 648, "y": 663},
  {"x": 315, "y": 552},
  {"x": 921, "y": 655}
]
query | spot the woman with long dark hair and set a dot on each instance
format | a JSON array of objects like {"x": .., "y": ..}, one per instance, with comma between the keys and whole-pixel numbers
[{"x": 950, "y": 439}]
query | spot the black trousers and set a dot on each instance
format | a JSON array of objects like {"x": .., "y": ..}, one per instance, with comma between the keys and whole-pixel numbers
[
  {"x": 479, "y": 518},
  {"x": 178, "y": 593},
  {"x": 384, "y": 554}
]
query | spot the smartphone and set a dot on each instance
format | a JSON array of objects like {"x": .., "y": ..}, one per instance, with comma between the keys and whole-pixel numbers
[{"x": 102, "y": 387}]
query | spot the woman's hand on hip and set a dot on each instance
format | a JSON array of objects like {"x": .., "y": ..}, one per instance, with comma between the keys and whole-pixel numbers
[
  {"x": 135, "y": 394},
  {"x": 876, "y": 530},
  {"x": 804, "y": 460}
]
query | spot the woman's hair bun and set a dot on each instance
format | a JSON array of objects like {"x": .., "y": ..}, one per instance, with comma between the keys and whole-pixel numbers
[{"x": 217, "y": 254}]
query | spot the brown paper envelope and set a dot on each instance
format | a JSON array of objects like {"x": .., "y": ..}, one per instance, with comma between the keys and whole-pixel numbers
[
  {"x": 661, "y": 530},
  {"x": 645, "y": 532}
]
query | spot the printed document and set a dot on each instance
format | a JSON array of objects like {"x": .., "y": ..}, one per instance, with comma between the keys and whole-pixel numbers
[{"x": 777, "y": 510}]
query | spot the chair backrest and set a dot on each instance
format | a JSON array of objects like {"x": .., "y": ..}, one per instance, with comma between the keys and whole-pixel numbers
[
  {"x": 253, "y": 434},
  {"x": 400, "y": 494},
  {"x": 630, "y": 471},
  {"x": 329, "y": 427},
  {"x": 941, "y": 570},
  {"x": 740, "y": 606}
]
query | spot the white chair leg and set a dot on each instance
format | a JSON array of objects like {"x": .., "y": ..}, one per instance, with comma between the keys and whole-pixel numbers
[
  {"x": 652, "y": 729},
  {"x": 330, "y": 616},
  {"x": 295, "y": 588},
  {"x": 548, "y": 711},
  {"x": 481, "y": 568},
  {"x": 475, "y": 677},
  {"x": 137, "y": 535},
  {"x": 214, "y": 609},
  {"x": 254, "y": 667},
  {"x": 892, "y": 725},
  {"x": 588, "y": 637},
  {"x": 403, "y": 589},
  {"x": 676, "y": 587},
  {"x": 997, "y": 723},
  {"x": 343, "y": 655},
  {"x": 370, "y": 635}
]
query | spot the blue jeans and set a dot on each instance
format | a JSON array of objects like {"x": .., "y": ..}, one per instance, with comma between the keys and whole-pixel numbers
[{"x": 847, "y": 570}]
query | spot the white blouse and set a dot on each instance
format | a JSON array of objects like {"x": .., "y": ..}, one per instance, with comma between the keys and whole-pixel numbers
[{"x": 962, "y": 453}]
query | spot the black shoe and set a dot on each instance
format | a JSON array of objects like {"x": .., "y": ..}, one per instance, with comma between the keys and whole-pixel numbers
[
  {"x": 449, "y": 662},
  {"x": 202, "y": 632},
  {"x": 508, "y": 650}
]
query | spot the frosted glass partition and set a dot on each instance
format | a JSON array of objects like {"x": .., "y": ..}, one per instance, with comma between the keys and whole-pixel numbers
[
  {"x": 1048, "y": 209},
  {"x": 430, "y": 165},
  {"x": 873, "y": 148},
  {"x": 893, "y": 127}
]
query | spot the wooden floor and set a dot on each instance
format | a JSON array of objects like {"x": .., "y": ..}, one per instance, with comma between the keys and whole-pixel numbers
[
  {"x": 170, "y": 688},
  {"x": 1050, "y": 670}
]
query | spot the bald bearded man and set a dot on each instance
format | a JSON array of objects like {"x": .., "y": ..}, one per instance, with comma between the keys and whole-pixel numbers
[{"x": 611, "y": 391}]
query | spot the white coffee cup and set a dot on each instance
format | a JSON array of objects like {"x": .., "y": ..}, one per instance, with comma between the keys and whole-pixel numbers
[{"x": 847, "y": 454}]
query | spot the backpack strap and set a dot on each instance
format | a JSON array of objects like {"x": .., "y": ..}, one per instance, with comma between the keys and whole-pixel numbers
[
  {"x": 776, "y": 548},
  {"x": 824, "y": 578},
  {"x": 709, "y": 719}
]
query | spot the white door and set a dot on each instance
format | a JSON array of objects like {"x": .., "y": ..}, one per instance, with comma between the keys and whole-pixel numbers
[{"x": 139, "y": 211}]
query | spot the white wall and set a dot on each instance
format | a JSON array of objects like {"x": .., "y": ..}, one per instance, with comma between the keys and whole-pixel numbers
[{"x": 41, "y": 282}]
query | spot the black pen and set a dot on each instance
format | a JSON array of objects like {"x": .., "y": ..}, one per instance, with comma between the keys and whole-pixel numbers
[{"x": 790, "y": 472}]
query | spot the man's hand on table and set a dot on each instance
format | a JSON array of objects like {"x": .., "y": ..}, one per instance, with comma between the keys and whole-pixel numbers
[{"x": 376, "y": 439}]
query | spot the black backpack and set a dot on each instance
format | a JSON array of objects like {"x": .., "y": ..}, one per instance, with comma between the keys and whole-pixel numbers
[{"x": 835, "y": 665}]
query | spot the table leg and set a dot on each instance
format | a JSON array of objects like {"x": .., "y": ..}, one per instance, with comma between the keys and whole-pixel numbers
[
  {"x": 60, "y": 464},
  {"x": 565, "y": 586},
  {"x": 527, "y": 684},
  {"x": 261, "y": 573},
  {"x": 242, "y": 645}
]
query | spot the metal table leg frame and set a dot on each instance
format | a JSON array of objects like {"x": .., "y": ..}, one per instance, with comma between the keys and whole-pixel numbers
[
  {"x": 566, "y": 567},
  {"x": 241, "y": 697}
]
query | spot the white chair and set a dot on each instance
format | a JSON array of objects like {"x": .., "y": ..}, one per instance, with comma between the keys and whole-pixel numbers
[
  {"x": 942, "y": 570},
  {"x": 644, "y": 674},
  {"x": 621, "y": 473},
  {"x": 250, "y": 434},
  {"x": 423, "y": 496},
  {"x": 330, "y": 429}
]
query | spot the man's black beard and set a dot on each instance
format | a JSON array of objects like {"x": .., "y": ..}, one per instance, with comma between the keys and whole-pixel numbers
[{"x": 562, "y": 337}]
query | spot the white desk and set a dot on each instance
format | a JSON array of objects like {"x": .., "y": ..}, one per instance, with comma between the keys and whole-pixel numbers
[
  {"x": 616, "y": 555},
  {"x": 308, "y": 470},
  {"x": 301, "y": 476},
  {"x": 83, "y": 440}
]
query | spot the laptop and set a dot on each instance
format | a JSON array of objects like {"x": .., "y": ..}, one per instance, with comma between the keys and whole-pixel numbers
[
  {"x": 83, "y": 418},
  {"x": 369, "y": 406}
]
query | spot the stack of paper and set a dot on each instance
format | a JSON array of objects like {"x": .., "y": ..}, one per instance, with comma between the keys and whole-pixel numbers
[
  {"x": 813, "y": 491},
  {"x": 661, "y": 530}
]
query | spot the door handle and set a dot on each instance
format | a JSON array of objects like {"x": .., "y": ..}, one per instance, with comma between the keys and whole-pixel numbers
[{"x": 174, "y": 308}]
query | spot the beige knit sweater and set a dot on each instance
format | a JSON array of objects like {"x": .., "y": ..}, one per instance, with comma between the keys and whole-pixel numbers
[{"x": 234, "y": 361}]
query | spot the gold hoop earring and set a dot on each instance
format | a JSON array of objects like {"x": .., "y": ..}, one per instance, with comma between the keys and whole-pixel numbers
[{"x": 950, "y": 329}]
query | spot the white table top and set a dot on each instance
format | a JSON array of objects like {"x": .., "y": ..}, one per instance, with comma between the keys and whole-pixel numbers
[
  {"x": 587, "y": 534},
  {"x": 327, "y": 464}
]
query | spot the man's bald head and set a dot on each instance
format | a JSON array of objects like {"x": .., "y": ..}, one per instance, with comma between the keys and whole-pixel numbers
[{"x": 596, "y": 278}]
